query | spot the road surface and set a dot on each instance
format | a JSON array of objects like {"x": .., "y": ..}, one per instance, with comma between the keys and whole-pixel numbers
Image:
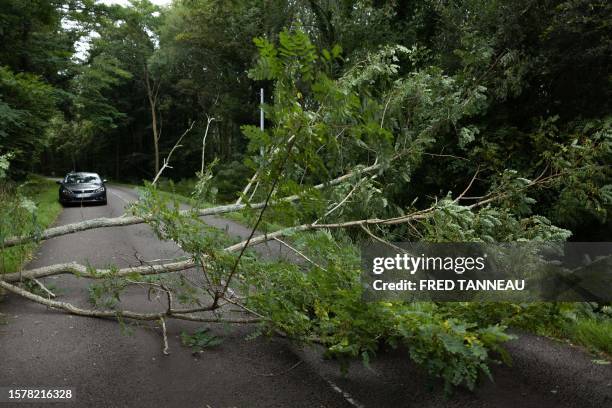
[
  {"x": 41, "y": 347},
  {"x": 109, "y": 368}
]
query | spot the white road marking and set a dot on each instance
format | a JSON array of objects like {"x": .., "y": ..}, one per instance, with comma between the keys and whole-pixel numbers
[{"x": 344, "y": 394}]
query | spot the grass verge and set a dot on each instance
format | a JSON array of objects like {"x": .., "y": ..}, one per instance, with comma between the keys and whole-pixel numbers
[
  {"x": 594, "y": 334},
  {"x": 17, "y": 219}
]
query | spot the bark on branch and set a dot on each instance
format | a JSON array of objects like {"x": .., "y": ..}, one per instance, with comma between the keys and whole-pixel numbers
[
  {"x": 118, "y": 314},
  {"x": 82, "y": 271}
]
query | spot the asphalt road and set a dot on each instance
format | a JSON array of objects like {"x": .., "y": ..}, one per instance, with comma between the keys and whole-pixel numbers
[
  {"x": 42, "y": 347},
  {"x": 108, "y": 368}
]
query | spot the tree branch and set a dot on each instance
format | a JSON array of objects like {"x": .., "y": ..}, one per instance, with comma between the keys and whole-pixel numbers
[
  {"x": 44, "y": 288},
  {"x": 117, "y": 314},
  {"x": 295, "y": 250},
  {"x": 126, "y": 220},
  {"x": 167, "y": 159},
  {"x": 82, "y": 271},
  {"x": 280, "y": 169},
  {"x": 208, "y": 122}
]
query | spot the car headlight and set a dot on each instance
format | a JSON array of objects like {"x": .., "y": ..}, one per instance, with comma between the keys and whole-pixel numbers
[
  {"x": 66, "y": 191},
  {"x": 99, "y": 190}
]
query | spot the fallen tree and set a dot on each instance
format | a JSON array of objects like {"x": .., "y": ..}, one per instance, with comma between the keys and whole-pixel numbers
[
  {"x": 181, "y": 265},
  {"x": 321, "y": 298},
  {"x": 128, "y": 220}
]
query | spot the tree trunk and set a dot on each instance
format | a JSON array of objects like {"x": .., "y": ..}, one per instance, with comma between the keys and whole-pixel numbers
[{"x": 152, "y": 90}]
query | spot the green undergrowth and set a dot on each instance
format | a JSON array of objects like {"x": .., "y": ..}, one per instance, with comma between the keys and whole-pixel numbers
[
  {"x": 595, "y": 334},
  {"x": 322, "y": 300},
  {"x": 588, "y": 325},
  {"x": 25, "y": 209}
]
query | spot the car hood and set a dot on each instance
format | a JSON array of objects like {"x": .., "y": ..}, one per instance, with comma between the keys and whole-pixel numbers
[{"x": 82, "y": 186}]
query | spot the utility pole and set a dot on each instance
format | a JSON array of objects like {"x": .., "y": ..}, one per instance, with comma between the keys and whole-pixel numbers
[{"x": 261, "y": 112}]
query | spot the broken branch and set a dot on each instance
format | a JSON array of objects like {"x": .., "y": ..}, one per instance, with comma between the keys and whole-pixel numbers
[
  {"x": 166, "y": 164},
  {"x": 133, "y": 220},
  {"x": 117, "y": 314}
]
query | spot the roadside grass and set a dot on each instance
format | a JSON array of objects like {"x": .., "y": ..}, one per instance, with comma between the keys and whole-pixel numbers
[
  {"x": 18, "y": 220},
  {"x": 594, "y": 334}
]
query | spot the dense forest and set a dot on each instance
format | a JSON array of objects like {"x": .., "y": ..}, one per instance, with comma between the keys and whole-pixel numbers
[
  {"x": 536, "y": 72},
  {"x": 431, "y": 120}
]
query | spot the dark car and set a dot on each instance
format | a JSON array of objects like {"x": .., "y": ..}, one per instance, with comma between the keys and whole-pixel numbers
[{"x": 82, "y": 188}]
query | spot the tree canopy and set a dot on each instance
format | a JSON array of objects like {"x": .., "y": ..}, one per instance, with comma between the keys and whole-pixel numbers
[{"x": 533, "y": 76}]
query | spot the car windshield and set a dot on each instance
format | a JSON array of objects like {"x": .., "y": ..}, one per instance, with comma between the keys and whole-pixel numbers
[{"x": 82, "y": 178}]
